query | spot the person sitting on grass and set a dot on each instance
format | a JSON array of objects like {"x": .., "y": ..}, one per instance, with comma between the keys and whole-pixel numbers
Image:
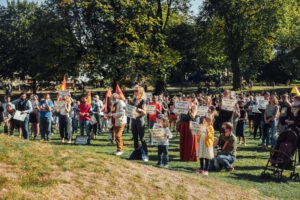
[
  {"x": 205, "y": 149},
  {"x": 228, "y": 143},
  {"x": 162, "y": 146}
]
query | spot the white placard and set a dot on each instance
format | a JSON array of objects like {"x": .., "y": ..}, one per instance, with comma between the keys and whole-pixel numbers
[
  {"x": 196, "y": 128},
  {"x": 130, "y": 111},
  {"x": 59, "y": 105},
  {"x": 159, "y": 135},
  {"x": 182, "y": 107},
  {"x": 20, "y": 117},
  {"x": 149, "y": 96},
  {"x": 255, "y": 109},
  {"x": 151, "y": 109},
  {"x": 93, "y": 120},
  {"x": 259, "y": 98},
  {"x": 262, "y": 104},
  {"x": 202, "y": 111},
  {"x": 64, "y": 93},
  {"x": 228, "y": 104}
]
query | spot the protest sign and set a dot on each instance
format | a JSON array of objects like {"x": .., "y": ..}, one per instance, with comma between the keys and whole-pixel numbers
[
  {"x": 59, "y": 105},
  {"x": 93, "y": 120},
  {"x": 262, "y": 104},
  {"x": 81, "y": 140},
  {"x": 196, "y": 128},
  {"x": 228, "y": 104},
  {"x": 64, "y": 93},
  {"x": 159, "y": 135},
  {"x": 20, "y": 117},
  {"x": 182, "y": 107},
  {"x": 130, "y": 111},
  {"x": 149, "y": 96},
  {"x": 202, "y": 111},
  {"x": 151, "y": 109}
]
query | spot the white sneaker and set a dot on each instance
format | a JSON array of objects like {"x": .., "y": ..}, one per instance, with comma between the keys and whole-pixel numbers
[{"x": 119, "y": 153}]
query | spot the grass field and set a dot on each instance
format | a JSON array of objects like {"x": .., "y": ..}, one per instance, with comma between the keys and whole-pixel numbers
[{"x": 33, "y": 170}]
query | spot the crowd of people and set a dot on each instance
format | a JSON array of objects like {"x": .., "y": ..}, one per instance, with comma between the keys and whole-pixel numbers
[{"x": 266, "y": 115}]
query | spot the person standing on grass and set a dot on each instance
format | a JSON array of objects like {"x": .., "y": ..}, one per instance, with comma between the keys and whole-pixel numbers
[
  {"x": 97, "y": 108},
  {"x": 9, "y": 121},
  {"x": 74, "y": 116},
  {"x": 225, "y": 115},
  {"x": 24, "y": 105},
  {"x": 162, "y": 146},
  {"x": 285, "y": 112},
  {"x": 118, "y": 113},
  {"x": 45, "y": 107},
  {"x": 205, "y": 149},
  {"x": 241, "y": 123},
  {"x": 84, "y": 117},
  {"x": 228, "y": 143},
  {"x": 270, "y": 122},
  {"x": 153, "y": 117},
  {"x": 34, "y": 116},
  {"x": 251, "y": 115},
  {"x": 138, "y": 124},
  {"x": 65, "y": 120}
]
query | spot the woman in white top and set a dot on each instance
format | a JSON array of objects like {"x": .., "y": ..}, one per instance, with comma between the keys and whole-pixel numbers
[{"x": 65, "y": 121}]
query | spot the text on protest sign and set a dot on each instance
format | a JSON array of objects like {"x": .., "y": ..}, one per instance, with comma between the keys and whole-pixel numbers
[
  {"x": 159, "y": 135},
  {"x": 130, "y": 111},
  {"x": 197, "y": 129},
  {"x": 182, "y": 107},
  {"x": 20, "y": 117},
  {"x": 93, "y": 120},
  {"x": 228, "y": 104},
  {"x": 202, "y": 111},
  {"x": 64, "y": 93},
  {"x": 151, "y": 109},
  {"x": 81, "y": 140},
  {"x": 149, "y": 96},
  {"x": 59, "y": 104},
  {"x": 262, "y": 104}
]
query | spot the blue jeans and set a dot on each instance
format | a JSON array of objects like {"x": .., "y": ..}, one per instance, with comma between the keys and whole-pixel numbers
[
  {"x": 85, "y": 125},
  {"x": 225, "y": 161},
  {"x": 24, "y": 126},
  {"x": 269, "y": 133},
  {"x": 45, "y": 127},
  {"x": 163, "y": 155}
]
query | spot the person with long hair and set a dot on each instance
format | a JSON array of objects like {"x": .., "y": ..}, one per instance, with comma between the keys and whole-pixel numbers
[
  {"x": 188, "y": 141},
  {"x": 65, "y": 120},
  {"x": 34, "y": 116},
  {"x": 138, "y": 124}
]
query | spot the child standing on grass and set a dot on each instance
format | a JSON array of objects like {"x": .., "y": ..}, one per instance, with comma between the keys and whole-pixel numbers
[
  {"x": 162, "y": 146},
  {"x": 205, "y": 149}
]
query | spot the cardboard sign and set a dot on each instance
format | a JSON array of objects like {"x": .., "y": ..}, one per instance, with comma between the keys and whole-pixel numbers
[
  {"x": 81, "y": 140},
  {"x": 64, "y": 93},
  {"x": 130, "y": 111},
  {"x": 149, "y": 96},
  {"x": 228, "y": 104},
  {"x": 59, "y": 105},
  {"x": 202, "y": 111},
  {"x": 151, "y": 109},
  {"x": 182, "y": 107},
  {"x": 196, "y": 128},
  {"x": 159, "y": 135},
  {"x": 262, "y": 104},
  {"x": 20, "y": 117}
]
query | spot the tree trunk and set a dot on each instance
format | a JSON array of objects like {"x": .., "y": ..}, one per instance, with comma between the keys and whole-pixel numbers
[
  {"x": 235, "y": 66},
  {"x": 34, "y": 86}
]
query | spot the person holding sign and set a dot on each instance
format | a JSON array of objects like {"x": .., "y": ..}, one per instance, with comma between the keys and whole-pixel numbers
[
  {"x": 45, "y": 107},
  {"x": 24, "y": 106},
  {"x": 188, "y": 141},
  {"x": 206, "y": 150},
  {"x": 34, "y": 116},
  {"x": 84, "y": 117},
  {"x": 162, "y": 145},
  {"x": 153, "y": 116},
  {"x": 65, "y": 121},
  {"x": 225, "y": 114},
  {"x": 138, "y": 123},
  {"x": 120, "y": 121}
]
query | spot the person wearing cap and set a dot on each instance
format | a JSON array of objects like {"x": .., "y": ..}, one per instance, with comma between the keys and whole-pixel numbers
[
  {"x": 293, "y": 122},
  {"x": 270, "y": 122},
  {"x": 120, "y": 121}
]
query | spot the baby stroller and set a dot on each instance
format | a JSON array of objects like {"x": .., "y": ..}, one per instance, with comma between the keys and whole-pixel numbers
[{"x": 283, "y": 156}]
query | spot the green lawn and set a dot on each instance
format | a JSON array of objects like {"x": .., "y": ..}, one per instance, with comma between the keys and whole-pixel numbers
[{"x": 250, "y": 162}]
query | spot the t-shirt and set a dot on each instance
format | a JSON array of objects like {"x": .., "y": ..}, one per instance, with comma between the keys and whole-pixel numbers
[
  {"x": 46, "y": 114},
  {"x": 228, "y": 145},
  {"x": 153, "y": 117},
  {"x": 85, "y": 109}
]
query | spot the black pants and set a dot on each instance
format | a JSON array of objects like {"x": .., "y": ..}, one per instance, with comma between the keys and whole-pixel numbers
[
  {"x": 65, "y": 127},
  {"x": 163, "y": 155},
  {"x": 204, "y": 164},
  {"x": 138, "y": 133},
  {"x": 257, "y": 125}
]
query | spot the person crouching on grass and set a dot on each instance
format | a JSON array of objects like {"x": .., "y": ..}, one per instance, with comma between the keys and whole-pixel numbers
[
  {"x": 205, "y": 149},
  {"x": 162, "y": 146}
]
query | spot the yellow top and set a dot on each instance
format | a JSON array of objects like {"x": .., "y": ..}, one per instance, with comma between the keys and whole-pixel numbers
[{"x": 209, "y": 139}]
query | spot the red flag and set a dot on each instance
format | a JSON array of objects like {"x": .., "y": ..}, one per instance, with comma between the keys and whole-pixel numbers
[
  {"x": 107, "y": 98},
  {"x": 120, "y": 93}
]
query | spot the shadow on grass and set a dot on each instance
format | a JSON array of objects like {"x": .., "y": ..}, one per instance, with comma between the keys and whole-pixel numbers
[{"x": 257, "y": 178}]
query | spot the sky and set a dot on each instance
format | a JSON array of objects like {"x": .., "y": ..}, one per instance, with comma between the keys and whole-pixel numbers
[{"x": 195, "y": 4}]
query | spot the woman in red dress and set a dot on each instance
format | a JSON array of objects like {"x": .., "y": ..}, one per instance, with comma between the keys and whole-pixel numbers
[{"x": 188, "y": 142}]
